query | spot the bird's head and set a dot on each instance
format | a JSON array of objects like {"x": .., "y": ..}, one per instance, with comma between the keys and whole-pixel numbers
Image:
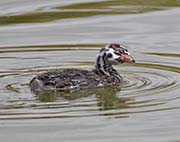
[{"x": 117, "y": 53}]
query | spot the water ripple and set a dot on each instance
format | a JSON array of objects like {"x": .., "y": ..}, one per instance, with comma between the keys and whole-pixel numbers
[{"x": 146, "y": 89}]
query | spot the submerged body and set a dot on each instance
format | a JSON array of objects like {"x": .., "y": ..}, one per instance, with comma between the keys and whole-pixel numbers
[{"x": 70, "y": 80}]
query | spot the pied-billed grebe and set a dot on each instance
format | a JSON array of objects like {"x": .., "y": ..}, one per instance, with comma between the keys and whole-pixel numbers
[{"x": 69, "y": 80}]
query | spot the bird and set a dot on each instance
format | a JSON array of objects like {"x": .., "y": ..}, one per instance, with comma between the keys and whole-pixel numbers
[{"x": 71, "y": 80}]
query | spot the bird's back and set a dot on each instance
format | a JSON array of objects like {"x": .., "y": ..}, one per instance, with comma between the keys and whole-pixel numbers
[{"x": 64, "y": 80}]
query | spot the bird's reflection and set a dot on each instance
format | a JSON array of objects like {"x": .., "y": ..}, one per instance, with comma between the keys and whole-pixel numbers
[{"x": 107, "y": 98}]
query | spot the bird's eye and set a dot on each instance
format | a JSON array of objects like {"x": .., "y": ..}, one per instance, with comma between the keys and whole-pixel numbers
[{"x": 109, "y": 55}]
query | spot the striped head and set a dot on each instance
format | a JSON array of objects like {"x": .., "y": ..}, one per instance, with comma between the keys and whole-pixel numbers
[{"x": 117, "y": 53}]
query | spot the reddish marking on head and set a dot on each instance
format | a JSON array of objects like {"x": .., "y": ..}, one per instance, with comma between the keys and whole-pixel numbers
[{"x": 126, "y": 58}]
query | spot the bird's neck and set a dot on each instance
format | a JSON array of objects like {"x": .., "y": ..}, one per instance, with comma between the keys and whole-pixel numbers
[{"x": 103, "y": 67}]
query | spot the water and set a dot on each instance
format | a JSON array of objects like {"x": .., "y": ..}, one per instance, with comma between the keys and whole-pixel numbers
[{"x": 147, "y": 106}]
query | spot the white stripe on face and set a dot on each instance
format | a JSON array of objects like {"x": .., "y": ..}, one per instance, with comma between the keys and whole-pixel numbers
[
  {"x": 114, "y": 56},
  {"x": 125, "y": 50}
]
